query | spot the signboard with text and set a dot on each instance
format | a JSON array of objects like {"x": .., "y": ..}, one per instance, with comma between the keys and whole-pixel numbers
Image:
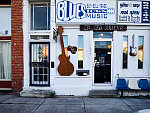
[
  {"x": 89, "y": 11},
  {"x": 133, "y": 11},
  {"x": 129, "y": 11},
  {"x": 103, "y": 27},
  {"x": 146, "y": 12}
]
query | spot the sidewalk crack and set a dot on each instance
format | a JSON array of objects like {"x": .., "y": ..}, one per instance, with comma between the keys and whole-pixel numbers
[
  {"x": 84, "y": 105},
  {"x": 7, "y": 99},
  {"x": 127, "y": 104},
  {"x": 39, "y": 106}
]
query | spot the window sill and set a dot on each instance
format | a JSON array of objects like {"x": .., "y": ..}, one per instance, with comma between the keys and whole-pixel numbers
[
  {"x": 5, "y": 37},
  {"x": 5, "y": 89},
  {"x": 72, "y": 77},
  {"x": 5, "y": 79},
  {"x": 40, "y": 31},
  {"x": 133, "y": 76}
]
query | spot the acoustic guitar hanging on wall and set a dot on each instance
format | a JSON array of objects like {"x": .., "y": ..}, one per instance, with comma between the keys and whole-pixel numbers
[
  {"x": 132, "y": 48},
  {"x": 65, "y": 68}
]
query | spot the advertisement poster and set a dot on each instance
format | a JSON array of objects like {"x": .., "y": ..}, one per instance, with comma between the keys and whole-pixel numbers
[
  {"x": 129, "y": 11},
  {"x": 133, "y": 11}
]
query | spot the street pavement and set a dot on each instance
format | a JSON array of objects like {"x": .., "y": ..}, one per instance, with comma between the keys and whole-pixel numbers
[{"x": 16, "y": 104}]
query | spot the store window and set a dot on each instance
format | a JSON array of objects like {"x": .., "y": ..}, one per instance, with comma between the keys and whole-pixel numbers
[
  {"x": 5, "y": 20},
  {"x": 125, "y": 52},
  {"x": 140, "y": 51},
  {"x": 80, "y": 51},
  {"x": 40, "y": 16},
  {"x": 65, "y": 40},
  {"x": 5, "y": 60},
  {"x": 39, "y": 64}
]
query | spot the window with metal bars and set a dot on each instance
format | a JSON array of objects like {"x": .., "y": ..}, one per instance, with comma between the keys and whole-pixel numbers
[{"x": 39, "y": 64}]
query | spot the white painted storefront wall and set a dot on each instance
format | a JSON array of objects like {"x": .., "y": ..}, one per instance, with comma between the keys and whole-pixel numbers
[{"x": 80, "y": 85}]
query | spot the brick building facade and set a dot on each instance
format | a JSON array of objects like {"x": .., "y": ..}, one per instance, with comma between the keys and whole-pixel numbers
[{"x": 15, "y": 37}]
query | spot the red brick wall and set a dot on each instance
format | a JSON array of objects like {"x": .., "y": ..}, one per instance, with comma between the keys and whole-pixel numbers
[{"x": 17, "y": 45}]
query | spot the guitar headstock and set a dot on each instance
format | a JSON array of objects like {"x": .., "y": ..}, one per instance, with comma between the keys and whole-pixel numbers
[
  {"x": 60, "y": 29},
  {"x": 133, "y": 36}
]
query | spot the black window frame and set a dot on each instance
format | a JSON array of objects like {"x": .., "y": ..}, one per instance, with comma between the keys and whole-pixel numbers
[{"x": 30, "y": 64}]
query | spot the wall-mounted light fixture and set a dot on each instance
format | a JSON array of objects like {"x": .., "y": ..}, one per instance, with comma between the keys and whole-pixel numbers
[{"x": 101, "y": 35}]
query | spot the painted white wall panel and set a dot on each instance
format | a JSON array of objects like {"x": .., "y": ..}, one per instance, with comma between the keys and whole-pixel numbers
[
  {"x": 73, "y": 41},
  {"x": 132, "y": 70}
]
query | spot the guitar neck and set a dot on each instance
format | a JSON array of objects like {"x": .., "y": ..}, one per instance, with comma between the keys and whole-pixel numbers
[
  {"x": 61, "y": 39},
  {"x": 133, "y": 41}
]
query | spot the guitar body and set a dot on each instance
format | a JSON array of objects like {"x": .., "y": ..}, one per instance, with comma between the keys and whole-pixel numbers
[
  {"x": 65, "y": 68},
  {"x": 132, "y": 51}
]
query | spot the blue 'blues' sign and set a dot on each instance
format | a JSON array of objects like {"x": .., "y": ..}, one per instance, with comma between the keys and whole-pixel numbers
[{"x": 85, "y": 11}]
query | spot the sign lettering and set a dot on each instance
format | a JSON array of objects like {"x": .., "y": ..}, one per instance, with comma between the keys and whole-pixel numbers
[
  {"x": 103, "y": 27},
  {"x": 146, "y": 12},
  {"x": 87, "y": 11},
  {"x": 134, "y": 11},
  {"x": 129, "y": 11}
]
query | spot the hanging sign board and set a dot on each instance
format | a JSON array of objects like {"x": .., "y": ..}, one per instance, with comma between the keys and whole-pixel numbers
[
  {"x": 85, "y": 11},
  {"x": 129, "y": 11},
  {"x": 55, "y": 34},
  {"x": 103, "y": 27}
]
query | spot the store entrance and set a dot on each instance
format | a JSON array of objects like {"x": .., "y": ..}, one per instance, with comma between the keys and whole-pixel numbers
[{"x": 102, "y": 61}]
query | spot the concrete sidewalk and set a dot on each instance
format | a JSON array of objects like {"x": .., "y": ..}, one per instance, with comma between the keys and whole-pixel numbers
[{"x": 16, "y": 104}]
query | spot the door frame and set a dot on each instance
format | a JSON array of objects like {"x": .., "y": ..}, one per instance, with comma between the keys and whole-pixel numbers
[
  {"x": 30, "y": 67},
  {"x": 93, "y": 76}
]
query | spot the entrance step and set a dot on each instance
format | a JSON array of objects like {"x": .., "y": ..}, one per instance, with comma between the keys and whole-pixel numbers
[
  {"x": 103, "y": 94},
  {"x": 38, "y": 93}
]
